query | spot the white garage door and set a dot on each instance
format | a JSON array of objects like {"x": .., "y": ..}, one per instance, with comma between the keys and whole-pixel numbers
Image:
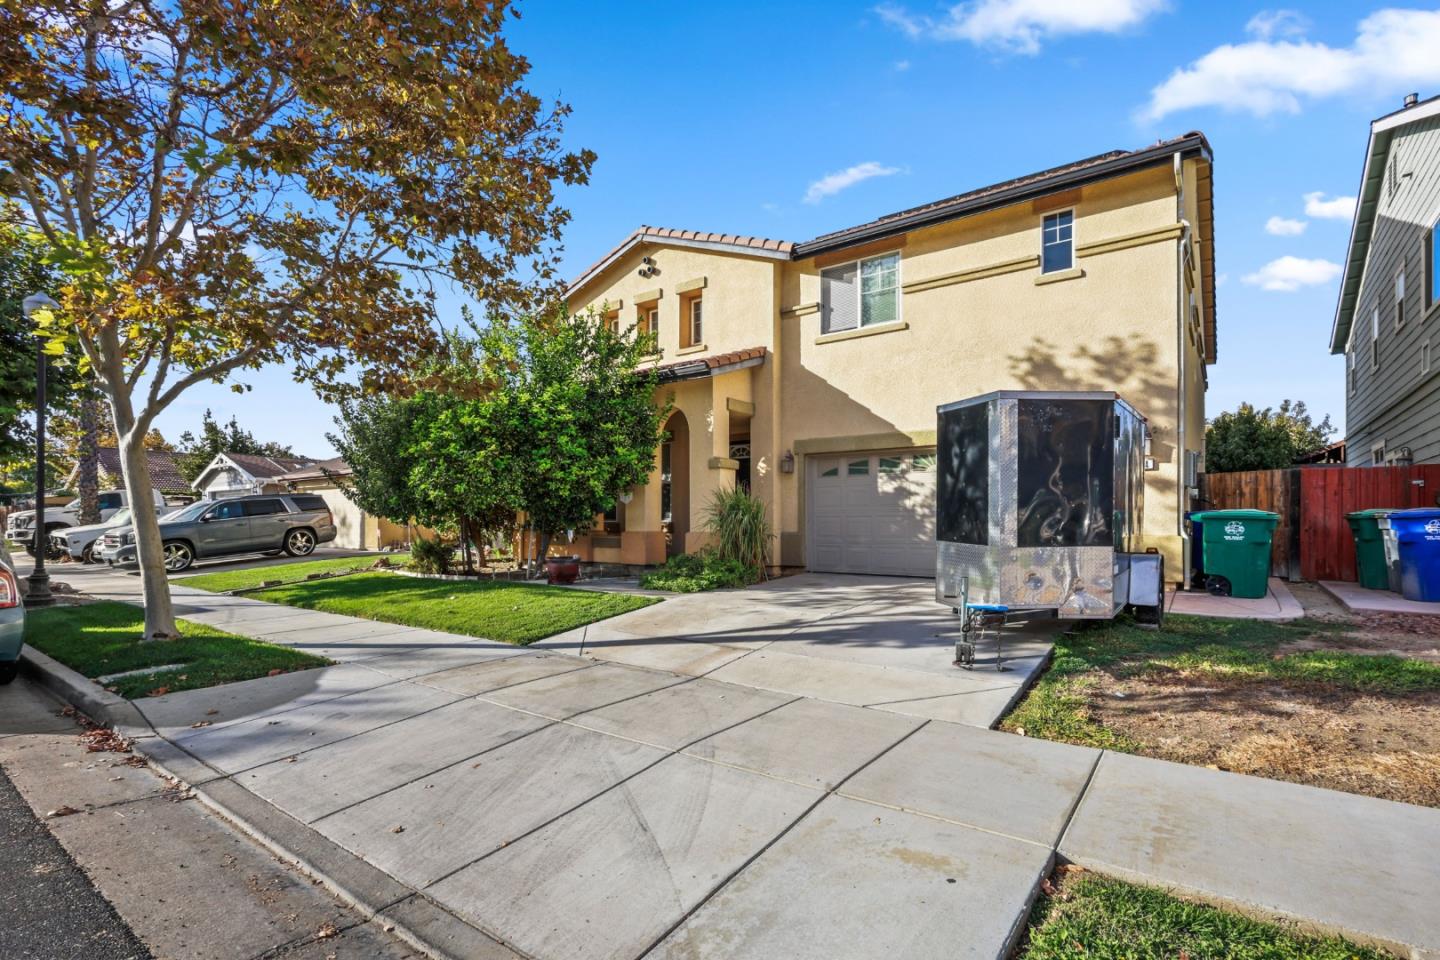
[{"x": 872, "y": 513}]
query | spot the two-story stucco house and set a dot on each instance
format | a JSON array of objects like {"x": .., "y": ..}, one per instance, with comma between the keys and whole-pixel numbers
[
  {"x": 1386, "y": 322},
  {"x": 811, "y": 371}
]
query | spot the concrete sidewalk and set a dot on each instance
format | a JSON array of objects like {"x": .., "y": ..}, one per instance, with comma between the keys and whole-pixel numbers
[
  {"x": 1358, "y": 599},
  {"x": 498, "y": 802},
  {"x": 1277, "y": 604}
]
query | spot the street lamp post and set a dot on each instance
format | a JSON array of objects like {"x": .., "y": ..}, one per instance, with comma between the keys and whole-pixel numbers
[{"x": 39, "y": 580}]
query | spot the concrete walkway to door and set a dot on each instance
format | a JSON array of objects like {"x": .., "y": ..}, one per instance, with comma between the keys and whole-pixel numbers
[{"x": 881, "y": 642}]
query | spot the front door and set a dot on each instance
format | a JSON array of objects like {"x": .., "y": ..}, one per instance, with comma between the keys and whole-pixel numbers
[{"x": 225, "y": 529}]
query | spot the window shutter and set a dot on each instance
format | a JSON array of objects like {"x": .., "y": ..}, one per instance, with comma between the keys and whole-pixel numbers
[{"x": 839, "y": 299}]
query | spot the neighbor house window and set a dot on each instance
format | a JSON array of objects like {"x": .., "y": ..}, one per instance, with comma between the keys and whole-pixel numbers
[
  {"x": 1400, "y": 298},
  {"x": 1377, "y": 454},
  {"x": 1432, "y": 264},
  {"x": 1375, "y": 338},
  {"x": 1425, "y": 357},
  {"x": 1350, "y": 370},
  {"x": 864, "y": 293},
  {"x": 1057, "y": 242}
]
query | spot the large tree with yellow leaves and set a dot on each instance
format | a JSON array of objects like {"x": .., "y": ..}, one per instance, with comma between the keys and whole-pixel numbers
[{"x": 230, "y": 183}]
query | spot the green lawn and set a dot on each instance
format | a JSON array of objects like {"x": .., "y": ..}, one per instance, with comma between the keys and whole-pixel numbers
[
  {"x": 251, "y": 577},
  {"x": 516, "y": 613},
  {"x": 98, "y": 639},
  {"x": 1097, "y": 918},
  {"x": 1055, "y": 708}
]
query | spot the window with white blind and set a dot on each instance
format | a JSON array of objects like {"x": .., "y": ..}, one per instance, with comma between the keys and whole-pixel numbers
[{"x": 863, "y": 293}]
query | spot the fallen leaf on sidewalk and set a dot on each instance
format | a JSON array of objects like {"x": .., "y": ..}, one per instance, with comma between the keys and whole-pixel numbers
[
  {"x": 158, "y": 692},
  {"x": 65, "y": 811},
  {"x": 199, "y": 723},
  {"x": 211, "y": 713},
  {"x": 326, "y": 931},
  {"x": 399, "y": 828},
  {"x": 275, "y": 673}
]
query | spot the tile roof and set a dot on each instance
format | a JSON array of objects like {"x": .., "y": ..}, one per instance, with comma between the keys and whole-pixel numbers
[
  {"x": 164, "y": 472},
  {"x": 268, "y": 468},
  {"x": 761, "y": 246},
  {"x": 938, "y": 208},
  {"x": 698, "y": 368}
]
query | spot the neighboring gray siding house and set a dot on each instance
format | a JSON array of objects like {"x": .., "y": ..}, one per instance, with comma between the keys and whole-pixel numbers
[{"x": 1387, "y": 322}]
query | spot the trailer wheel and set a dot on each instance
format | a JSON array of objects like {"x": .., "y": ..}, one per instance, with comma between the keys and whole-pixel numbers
[{"x": 1217, "y": 586}]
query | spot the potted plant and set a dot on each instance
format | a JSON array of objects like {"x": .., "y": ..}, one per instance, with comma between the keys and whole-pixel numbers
[{"x": 562, "y": 569}]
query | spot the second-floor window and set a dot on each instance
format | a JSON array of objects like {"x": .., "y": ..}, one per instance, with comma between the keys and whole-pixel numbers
[
  {"x": 697, "y": 326},
  {"x": 1375, "y": 338},
  {"x": 648, "y": 323},
  {"x": 864, "y": 293},
  {"x": 1057, "y": 242},
  {"x": 1432, "y": 264},
  {"x": 1400, "y": 298}
]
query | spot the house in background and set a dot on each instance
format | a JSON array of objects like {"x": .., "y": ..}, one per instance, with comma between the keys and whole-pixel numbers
[
  {"x": 164, "y": 473},
  {"x": 354, "y": 528},
  {"x": 237, "y": 474},
  {"x": 1386, "y": 322},
  {"x": 812, "y": 371}
]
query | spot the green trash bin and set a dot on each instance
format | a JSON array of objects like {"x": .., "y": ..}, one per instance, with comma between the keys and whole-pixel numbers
[
  {"x": 1370, "y": 548},
  {"x": 1237, "y": 551}
]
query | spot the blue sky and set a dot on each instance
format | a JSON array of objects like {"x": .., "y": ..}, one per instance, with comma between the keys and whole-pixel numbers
[{"x": 788, "y": 120}]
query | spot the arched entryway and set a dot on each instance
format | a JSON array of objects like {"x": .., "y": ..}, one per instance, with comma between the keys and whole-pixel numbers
[{"x": 675, "y": 483}]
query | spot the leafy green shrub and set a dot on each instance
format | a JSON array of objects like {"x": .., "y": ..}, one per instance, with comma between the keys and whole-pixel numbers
[
  {"x": 431, "y": 556},
  {"x": 693, "y": 572},
  {"x": 741, "y": 529}
]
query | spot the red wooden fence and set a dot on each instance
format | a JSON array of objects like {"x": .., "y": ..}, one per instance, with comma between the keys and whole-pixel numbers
[{"x": 1327, "y": 549}]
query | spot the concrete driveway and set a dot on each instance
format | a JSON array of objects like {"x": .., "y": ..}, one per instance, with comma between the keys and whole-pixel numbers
[
  {"x": 766, "y": 793},
  {"x": 879, "y": 642}
]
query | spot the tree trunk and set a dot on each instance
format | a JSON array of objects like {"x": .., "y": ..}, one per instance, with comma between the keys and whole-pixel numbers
[
  {"x": 543, "y": 552},
  {"x": 150, "y": 550},
  {"x": 88, "y": 467}
]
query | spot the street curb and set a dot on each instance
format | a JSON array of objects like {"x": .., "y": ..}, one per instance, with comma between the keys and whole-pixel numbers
[
  {"x": 374, "y": 893},
  {"x": 85, "y": 695}
]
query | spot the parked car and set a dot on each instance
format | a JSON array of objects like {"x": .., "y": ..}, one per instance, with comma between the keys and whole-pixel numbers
[
  {"x": 20, "y": 527},
  {"x": 12, "y": 618},
  {"x": 78, "y": 543},
  {"x": 259, "y": 523}
]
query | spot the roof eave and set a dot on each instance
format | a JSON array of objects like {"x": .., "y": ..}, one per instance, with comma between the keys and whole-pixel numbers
[
  {"x": 1189, "y": 145},
  {"x": 641, "y": 237}
]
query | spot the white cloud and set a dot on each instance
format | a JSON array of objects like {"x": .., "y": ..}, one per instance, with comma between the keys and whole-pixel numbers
[
  {"x": 1288, "y": 274},
  {"x": 1019, "y": 26},
  {"x": 1285, "y": 227},
  {"x": 1268, "y": 24},
  {"x": 1336, "y": 208},
  {"x": 833, "y": 183},
  {"x": 902, "y": 65},
  {"x": 1393, "y": 50}
]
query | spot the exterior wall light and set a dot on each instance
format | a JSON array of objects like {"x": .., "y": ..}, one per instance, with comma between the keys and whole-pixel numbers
[{"x": 787, "y": 462}]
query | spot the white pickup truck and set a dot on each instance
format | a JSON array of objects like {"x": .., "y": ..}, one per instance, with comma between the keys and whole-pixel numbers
[{"x": 20, "y": 528}]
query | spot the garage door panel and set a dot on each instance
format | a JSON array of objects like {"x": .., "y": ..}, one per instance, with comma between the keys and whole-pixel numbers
[{"x": 873, "y": 513}]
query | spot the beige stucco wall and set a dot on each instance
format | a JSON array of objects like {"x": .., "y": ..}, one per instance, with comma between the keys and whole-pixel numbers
[{"x": 975, "y": 316}]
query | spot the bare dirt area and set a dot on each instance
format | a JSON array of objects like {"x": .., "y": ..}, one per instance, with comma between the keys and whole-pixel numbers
[
  {"x": 1404, "y": 635},
  {"x": 1384, "y": 746}
]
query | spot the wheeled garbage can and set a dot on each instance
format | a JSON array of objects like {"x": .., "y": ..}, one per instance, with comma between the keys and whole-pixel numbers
[
  {"x": 1417, "y": 532},
  {"x": 1237, "y": 551},
  {"x": 1370, "y": 548}
]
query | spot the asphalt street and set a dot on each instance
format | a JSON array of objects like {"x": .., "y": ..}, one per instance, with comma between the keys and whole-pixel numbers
[{"x": 49, "y": 909}]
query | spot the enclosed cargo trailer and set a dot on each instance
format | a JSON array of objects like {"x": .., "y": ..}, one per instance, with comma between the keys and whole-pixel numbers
[{"x": 1039, "y": 507}]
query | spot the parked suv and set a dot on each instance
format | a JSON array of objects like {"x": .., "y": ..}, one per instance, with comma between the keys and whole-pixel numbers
[{"x": 260, "y": 523}]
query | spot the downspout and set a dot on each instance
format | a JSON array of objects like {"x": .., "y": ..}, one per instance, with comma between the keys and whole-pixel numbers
[{"x": 1182, "y": 496}]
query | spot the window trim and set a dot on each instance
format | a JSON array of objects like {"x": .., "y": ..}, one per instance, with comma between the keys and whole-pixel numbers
[
  {"x": 1430, "y": 250},
  {"x": 1375, "y": 337},
  {"x": 695, "y": 325},
  {"x": 859, "y": 264},
  {"x": 1074, "y": 222},
  {"x": 1426, "y": 359},
  {"x": 1377, "y": 453},
  {"x": 1399, "y": 294}
]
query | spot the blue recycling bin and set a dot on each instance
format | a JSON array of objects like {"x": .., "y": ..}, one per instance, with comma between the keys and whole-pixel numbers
[
  {"x": 1417, "y": 534},
  {"x": 1197, "y": 548}
]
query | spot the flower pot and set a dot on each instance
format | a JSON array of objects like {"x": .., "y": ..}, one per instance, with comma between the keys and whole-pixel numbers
[{"x": 562, "y": 569}]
